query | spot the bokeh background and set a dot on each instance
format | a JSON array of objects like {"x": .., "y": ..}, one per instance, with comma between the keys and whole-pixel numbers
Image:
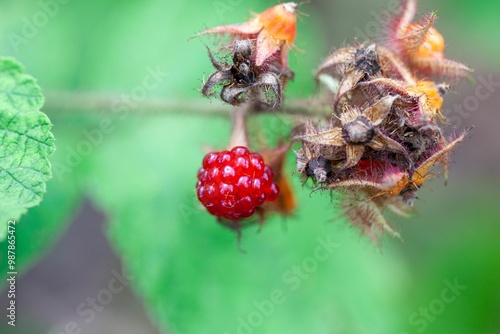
[{"x": 128, "y": 199}]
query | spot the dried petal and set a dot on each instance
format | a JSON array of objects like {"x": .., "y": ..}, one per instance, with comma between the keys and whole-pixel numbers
[
  {"x": 331, "y": 137},
  {"x": 233, "y": 94},
  {"x": 336, "y": 63},
  {"x": 272, "y": 84},
  {"x": 354, "y": 154},
  {"x": 380, "y": 109},
  {"x": 215, "y": 79}
]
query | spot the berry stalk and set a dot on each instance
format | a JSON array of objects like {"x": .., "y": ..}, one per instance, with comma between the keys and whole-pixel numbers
[{"x": 239, "y": 132}]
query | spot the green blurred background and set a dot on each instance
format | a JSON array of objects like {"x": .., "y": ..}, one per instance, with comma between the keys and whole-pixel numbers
[{"x": 129, "y": 199}]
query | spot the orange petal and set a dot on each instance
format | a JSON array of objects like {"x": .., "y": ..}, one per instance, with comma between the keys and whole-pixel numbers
[{"x": 280, "y": 21}]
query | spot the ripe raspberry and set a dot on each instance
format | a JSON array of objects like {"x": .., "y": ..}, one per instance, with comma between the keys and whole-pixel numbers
[{"x": 231, "y": 184}]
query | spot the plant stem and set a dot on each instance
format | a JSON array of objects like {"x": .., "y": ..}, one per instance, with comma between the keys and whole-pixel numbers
[
  {"x": 66, "y": 102},
  {"x": 239, "y": 134}
]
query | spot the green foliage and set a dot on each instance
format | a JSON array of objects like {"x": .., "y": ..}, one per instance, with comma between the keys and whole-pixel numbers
[{"x": 25, "y": 142}]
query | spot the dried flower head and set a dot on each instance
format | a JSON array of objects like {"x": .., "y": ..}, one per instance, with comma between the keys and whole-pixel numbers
[
  {"x": 384, "y": 138},
  {"x": 359, "y": 129},
  {"x": 243, "y": 78}
]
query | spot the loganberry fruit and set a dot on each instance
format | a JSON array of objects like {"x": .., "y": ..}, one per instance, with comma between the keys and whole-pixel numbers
[{"x": 232, "y": 184}]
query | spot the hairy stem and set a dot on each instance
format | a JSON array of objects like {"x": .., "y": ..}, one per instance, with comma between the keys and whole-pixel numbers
[{"x": 66, "y": 102}]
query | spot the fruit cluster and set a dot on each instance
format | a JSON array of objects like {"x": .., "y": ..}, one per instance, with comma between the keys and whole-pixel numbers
[
  {"x": 385, "y": 135},
  {"x": 377, "y": 147},
  {"x": 259, "y": 68}
]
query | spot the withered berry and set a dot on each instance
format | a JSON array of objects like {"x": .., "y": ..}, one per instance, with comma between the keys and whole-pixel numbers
[{"x": 231, "y": 184}]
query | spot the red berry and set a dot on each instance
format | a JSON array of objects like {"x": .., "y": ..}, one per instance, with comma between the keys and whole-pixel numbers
[
  {"x": 231, "y": 184},
  {"x": 210, "y": 160}
]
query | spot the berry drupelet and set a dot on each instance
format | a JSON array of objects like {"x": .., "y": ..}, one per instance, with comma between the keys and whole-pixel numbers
[{"x": 232, "y": 184}]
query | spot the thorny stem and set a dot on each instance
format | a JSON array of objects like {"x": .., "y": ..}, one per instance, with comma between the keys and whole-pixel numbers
[{"x": 64, "y": 102}]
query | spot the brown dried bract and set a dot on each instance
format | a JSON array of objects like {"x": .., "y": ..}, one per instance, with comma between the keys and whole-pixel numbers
[{"x": 359, "y": 130}]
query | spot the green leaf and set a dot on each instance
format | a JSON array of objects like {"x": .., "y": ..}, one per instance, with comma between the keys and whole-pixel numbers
[
  {"x": 25, "y": 142},
  {"x": 42, "y": 225}
]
